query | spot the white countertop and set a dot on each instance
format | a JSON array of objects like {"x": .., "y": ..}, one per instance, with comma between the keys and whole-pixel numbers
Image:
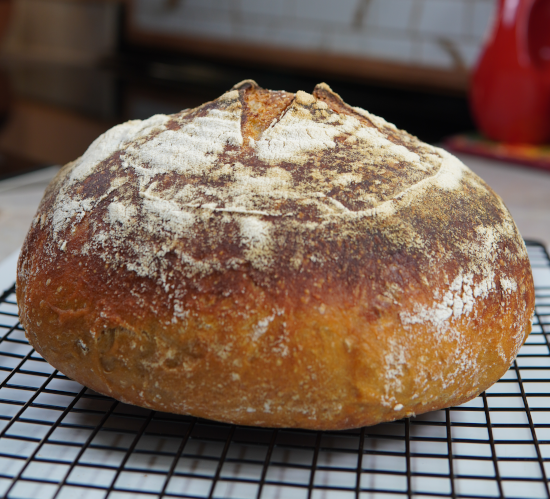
[
  {"x": 525, "y": 191},
  {"x": 19, "y": 199}
]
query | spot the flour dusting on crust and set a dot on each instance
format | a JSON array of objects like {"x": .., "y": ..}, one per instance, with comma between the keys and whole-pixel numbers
[{"x": 194, "y": 177}]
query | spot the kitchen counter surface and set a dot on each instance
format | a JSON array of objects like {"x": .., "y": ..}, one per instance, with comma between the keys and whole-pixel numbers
[{"x": 19, "y": 199}]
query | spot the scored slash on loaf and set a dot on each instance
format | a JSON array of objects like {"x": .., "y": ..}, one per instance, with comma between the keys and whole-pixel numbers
[{"x": 275, "y": 259}]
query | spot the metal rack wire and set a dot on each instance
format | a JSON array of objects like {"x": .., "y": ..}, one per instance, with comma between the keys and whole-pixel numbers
[{"x": 59, "y": 439}]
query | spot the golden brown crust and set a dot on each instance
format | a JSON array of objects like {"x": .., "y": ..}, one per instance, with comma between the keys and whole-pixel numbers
[{"x": 275, "y": 259}]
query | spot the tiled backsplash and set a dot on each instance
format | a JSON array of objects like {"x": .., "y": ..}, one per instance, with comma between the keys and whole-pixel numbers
[{"x": 443, "y": 34}]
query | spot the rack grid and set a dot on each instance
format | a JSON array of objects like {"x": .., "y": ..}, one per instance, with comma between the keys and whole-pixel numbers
[{"x": 60, "y": 440}]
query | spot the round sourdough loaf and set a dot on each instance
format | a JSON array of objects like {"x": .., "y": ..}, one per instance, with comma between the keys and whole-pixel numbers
[{"x": 275, "y": 259}]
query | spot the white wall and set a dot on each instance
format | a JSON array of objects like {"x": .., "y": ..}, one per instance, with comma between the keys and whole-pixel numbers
[{"x": 436, "y": 33}]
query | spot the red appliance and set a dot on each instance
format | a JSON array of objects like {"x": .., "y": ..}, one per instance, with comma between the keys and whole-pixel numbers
[{"x": 510, "y": 90}]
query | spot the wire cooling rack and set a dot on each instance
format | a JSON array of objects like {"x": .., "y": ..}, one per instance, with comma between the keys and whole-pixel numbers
[{"x": 59, "y": 439}]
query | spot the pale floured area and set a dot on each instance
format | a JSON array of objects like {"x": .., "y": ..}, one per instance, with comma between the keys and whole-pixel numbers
[
  {"x": 207, "y": 153},
  {"x": 213, "y": 183},
  {"x": 523, "y": 190}
]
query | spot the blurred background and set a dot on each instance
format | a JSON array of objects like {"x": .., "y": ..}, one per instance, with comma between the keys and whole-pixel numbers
[{"x": 71, "y": 69}]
